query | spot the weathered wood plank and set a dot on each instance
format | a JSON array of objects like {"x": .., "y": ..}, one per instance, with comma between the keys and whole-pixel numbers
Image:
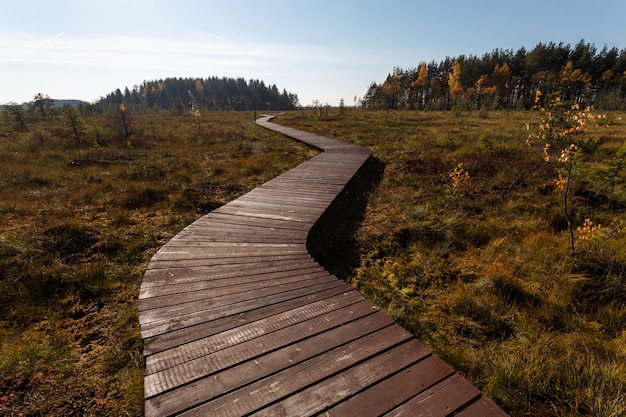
[
  {"x": 278, "y": 205},
  {"x": 235, "y": 286},
  {"x": 335, "y": 389},
  {"x": 484, "y": 407},
  {"x": 240, "y": 334},
  {"x": 216, "y": 386},
  {"x": 397, "y": 389},
  {"x": 215, "y": 216},
  {"x": 269, "y": 193},
  {"x": 153, "y": 328},
  {"x": 246, "y": 280},
  {"x": 236, "y": 259},
  {"x": 209, "y": 250},
  {"x": 287, "y": 215},
  {"x": 441, "y": 400},
  {"x": 214, "y": 326},
  {"x": 248, "y": 345},
  {"x": 185, "y": 306},
  {"x": 177, "y": 277},
  {"x": 282, "y": 384}
]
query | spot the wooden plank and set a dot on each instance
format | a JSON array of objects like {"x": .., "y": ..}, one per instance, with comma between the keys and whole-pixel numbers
[
  {"x": 397, "y": 389},
  {"x": 241, "y": 259},
  {"x": 233, "y": 286},
  {"x": 242, "y": 223},
  {"x": 284, "y": 186},
  {"x": 484, "y": 407},
  {"x": 277, "y": 206},
  {"x": 150, "y": 329},
  {"x": 213, "y": 326},
  {"x": 196, "y": 395},
  {"x": 186, "y": 306},
  {"x": 328, "y": 392},
  {"x": 247, "y": 221},
  {"x": 225, "y": 233},
  {"x": 189, "y": 275},
  {"x": 289, "y": 319},
  {"x": 442, "y": 400},
  {"x": 300, "y": 183},
  {"x": 274, "y": 195},
  {"x": 210, "y": 250},
  {"x": 303, "y": 199},
  {"x": 229, "y": 247},
  {"x": 257, "y": 395},
  {"x": 202, "y": 365},
  {"x": 262, "y": 214},
  {"x": 251, "y": 279}
]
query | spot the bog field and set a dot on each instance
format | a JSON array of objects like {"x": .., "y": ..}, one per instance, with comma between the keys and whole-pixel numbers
[
  {"x": 80, "y": 221},
  {"x": 508, "y": 264},
  {"x": 475, "y": 259}
]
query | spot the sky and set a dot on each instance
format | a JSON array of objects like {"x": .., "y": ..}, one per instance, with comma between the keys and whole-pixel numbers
[{"x": 320, "y": 50}]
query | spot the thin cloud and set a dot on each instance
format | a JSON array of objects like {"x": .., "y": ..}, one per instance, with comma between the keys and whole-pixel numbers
[
  {"x": 204, "y": 53},
  {"x": 29, "y": 50},
  {"x": 87, "y": 66}
]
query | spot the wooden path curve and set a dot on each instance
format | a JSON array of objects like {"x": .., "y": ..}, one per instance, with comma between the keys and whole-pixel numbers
[{"x": 238, "y": 319}]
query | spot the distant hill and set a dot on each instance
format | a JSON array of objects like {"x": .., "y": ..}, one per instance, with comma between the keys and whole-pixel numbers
[
  {"x": 68, "y": 102},
  {"x": 54, "y": 103}
]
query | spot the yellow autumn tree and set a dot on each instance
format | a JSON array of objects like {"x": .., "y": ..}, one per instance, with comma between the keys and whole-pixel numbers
[
  {"x": 503, "y": 83},
  {"x": 421, "y": 85},
  {"x": 484, "y": 90},
  {"x": 574, "y": 82},
  {"x": 454, "y": 82},
  {"x": 392, "y": 88}
]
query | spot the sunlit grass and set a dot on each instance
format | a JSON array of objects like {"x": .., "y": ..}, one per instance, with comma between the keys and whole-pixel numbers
[
  {"x": 482, "y": 272},
  {"x": 80, "y": 223}
]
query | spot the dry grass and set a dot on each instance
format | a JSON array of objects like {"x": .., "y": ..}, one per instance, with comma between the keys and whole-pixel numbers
[
  {"x": 482, "y": 272},
  {"x": 78, "y": 225}
]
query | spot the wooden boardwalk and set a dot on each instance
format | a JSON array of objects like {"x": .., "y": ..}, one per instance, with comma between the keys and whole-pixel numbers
[{"x": 238, "y": 319}]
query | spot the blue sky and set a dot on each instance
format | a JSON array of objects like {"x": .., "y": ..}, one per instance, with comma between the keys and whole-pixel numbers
[{"x": 321, "y": 50}]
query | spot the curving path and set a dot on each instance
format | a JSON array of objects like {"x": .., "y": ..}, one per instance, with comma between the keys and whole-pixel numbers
[{"x": 238, "y": 319}]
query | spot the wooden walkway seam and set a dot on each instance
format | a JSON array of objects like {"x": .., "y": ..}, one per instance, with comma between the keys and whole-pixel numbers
[{"x": 237, "y": 318}]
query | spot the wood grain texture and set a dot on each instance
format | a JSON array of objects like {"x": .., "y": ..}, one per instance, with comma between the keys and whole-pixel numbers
[{"x": 238, "y": 319}]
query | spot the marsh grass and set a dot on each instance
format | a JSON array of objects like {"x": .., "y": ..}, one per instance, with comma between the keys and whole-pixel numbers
[
  {"x": 485, "y": 275},
  {"x": 78, "y": 225}
]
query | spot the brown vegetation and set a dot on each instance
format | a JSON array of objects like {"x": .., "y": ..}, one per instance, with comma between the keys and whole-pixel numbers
[
  {"x": 455, "y": 229},
  {"x": 476, "y": 260},
  {"x": 80, "y": 219}
]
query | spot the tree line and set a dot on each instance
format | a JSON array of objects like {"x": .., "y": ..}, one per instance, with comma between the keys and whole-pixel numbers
[
  {"x": 208, "y": 94},
  {"x": 176, "y": 95},
  {"x": 508, "y": 79}
]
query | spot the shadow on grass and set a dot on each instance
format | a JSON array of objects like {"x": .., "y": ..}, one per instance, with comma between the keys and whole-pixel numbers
[{"x": 332, "y": 240}]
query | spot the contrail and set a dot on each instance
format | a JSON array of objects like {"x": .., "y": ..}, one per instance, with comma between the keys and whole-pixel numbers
[{"x": 21, "y": 54}]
